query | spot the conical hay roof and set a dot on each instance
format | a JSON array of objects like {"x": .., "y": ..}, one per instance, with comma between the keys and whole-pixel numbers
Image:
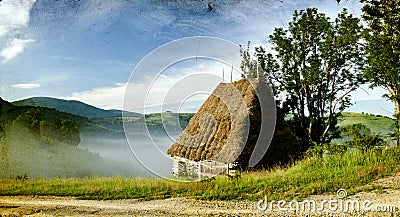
[{"x": 225, "y": 127}]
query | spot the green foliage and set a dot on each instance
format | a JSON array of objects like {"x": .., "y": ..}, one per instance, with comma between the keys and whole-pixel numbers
[
  {"x": 249, "y": 66},
  {"x": 22, "y": 177},
  {"x": 67, "y": 131},
  {"x": 2, "y": 132},
  {"x": 157, "y": 122},
  {"x": 63, "y": 130},
  {"x": 284, "y": 146},
  {"x": 361, "y": 138},
  {"x": 381, "y": 125},
  {"x": 383, "y": 48},
  {"x": 30, "y": 119},
  {"x": 315, "y": 151},
  {"x": 320, "y": 151},
  {"x": 316, "y": 68},
  {"x": 337, "y": 149}
]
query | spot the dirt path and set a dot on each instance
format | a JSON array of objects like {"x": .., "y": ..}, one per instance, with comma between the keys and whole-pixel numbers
[
  {"x": 387, "y": 198},
  {"x": 56, "y": 206}
]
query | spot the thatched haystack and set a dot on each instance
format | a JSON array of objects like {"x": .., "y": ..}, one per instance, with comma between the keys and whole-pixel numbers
[{"x": 226, "y": 128}]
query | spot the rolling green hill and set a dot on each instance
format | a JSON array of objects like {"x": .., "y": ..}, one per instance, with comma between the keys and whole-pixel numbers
[
  {"x": 377, "y": 123},
  {"x": 9, "y": 112},
  {"x": 73, "y": 107},
  {"x": 155, "y": 122}
]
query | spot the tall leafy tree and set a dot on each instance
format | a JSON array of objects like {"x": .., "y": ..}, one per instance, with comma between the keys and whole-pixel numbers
[
  {"x": 383, "y": 49},
  {"x": 315, "y": 65},
  {"x": 68, "y": 132}
]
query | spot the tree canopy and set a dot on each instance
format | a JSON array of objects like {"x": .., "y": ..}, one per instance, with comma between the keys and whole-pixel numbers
[
  {"x": 62, "y": 130},
  {"x": 314, "y": 64},
  {"x": 382, "y": 36}
]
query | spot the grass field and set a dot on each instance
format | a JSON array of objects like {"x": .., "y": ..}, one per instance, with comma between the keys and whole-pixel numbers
[
  {"x": 314, "y": 175},
  {"x": 377, "y": 124}
]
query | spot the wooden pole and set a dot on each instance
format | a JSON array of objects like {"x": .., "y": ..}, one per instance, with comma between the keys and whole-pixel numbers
[{"x": 231, "y": 73}]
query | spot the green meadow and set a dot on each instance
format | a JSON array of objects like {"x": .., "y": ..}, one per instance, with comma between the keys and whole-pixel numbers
[{"x": 313, "y": 175}]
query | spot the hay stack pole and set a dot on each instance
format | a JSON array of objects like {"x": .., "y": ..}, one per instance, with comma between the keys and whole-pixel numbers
[
  {"x": 223, "y": 75},
  {"x": 231, "y": 73}
]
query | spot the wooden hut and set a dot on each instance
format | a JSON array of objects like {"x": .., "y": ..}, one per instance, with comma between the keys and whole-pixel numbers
[{"x": 223, "y": 132}]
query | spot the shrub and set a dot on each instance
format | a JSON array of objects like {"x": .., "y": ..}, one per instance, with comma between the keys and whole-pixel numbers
[{"x": 361, "y": 137}]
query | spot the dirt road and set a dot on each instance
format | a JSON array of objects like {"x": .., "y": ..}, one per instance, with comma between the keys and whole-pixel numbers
[
  {"x": 384, "y": 202},
  {"x": 61, "y": 206}
]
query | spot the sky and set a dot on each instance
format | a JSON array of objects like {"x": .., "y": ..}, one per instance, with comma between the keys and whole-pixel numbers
[{"x": 88, "y": 50}]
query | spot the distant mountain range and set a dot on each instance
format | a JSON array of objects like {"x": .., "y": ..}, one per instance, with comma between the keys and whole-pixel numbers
[
  {"x": 110, "y": 119},
  {"x": 73, "y": 107},
  {"x": 9, "y": 112}
]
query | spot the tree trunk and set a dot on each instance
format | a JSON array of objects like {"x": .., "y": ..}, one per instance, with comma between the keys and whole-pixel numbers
[{"x": 397, "y": 104}]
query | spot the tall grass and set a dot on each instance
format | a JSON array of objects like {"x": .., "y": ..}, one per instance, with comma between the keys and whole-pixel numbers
[{"x": 316, "y": 175}]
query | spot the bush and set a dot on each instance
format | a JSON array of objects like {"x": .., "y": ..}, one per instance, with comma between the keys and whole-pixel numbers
[
  {"x": 361, "y": 137},
  {"x": 316, "y": 151},
  {"x": 326, "y": 149},
  {"x": 336, "y": 149}
]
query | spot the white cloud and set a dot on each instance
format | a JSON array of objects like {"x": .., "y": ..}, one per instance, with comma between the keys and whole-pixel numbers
[
  {"x": 15, "y": 47},
  {"x": 14, "y": 14},
  {"x": 364, "y": 93},
  {"x": 103, "y": 97},
  {"x": 173, "y": 88},
  {"x": 26, "y": 86},
  {"x": 140, "y": 95},
  {"x": 14, "y": 18},
  {"x": 182, "y": 85}
]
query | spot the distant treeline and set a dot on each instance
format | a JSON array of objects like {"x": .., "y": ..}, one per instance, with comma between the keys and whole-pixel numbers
[
  {"x": 157, "y": 122},
  {"x": 64, "y": 130},
  {"x": 43, "y": 121}
]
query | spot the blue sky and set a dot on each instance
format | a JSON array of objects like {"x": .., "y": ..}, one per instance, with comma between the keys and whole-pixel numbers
[{"x": 87, "y": 50}]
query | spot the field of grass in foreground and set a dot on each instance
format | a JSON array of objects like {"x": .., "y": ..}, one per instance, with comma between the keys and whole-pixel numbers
[{"x": 310, "y": 176}]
